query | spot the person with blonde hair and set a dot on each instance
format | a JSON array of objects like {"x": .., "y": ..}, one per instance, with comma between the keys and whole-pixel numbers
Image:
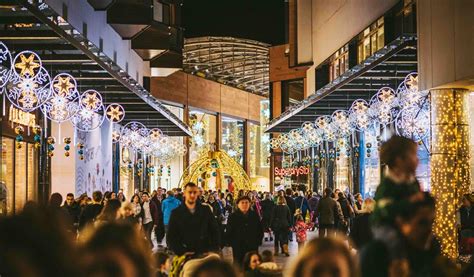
[
  {"x": 326, "y": 256},
  {"x": 361, "y": 232},
  {"x": 280, "y": 223}
]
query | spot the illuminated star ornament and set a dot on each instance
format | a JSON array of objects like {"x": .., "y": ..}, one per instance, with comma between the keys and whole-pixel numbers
[
  {"x": 28, "y": 65},
  {"x": 91, "y": 100},
  {"x": 64, "y": 85},
  {"x": 115, "y": 113},
  {"x": 411, "y": 82}
]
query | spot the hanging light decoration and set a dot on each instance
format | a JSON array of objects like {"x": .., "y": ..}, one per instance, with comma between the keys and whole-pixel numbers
[
  {"x": 358, "y": 115},
  {"x": 341, "y": 123},
  {"x": 115, "y": 113},
  {"x": 29, "y": 86},
  {"x": 64, "y": 101},
  {"x": 5, "y": 65},
  {"x": 413, "y": 122},
  {"x": 91, "y": 113},
  {"x": 132, "y": 135}
]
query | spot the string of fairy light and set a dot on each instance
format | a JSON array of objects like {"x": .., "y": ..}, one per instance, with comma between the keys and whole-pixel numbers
[{"x": 450, "y": 168}]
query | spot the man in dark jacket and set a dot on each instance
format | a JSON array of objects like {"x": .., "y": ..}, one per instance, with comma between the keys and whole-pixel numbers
[
  {"x": 244, "y": 230},
  {"x": 328, "y": 209},
  {"x": 91, "y": 211},
  {"x": 192, "y": 227},
  {"x": 72, "y": 209},
  {"x": 290, "y": 202},
  {"x": 267, "y": 211}
]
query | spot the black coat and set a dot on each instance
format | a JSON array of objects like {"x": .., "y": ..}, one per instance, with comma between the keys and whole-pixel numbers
[
  {"x": 196, "y": 232},
  {"x": 267, "y": 210},
  {"x": 361, "y": 233},
  {"x": 290, "y": 202},
  {"x": 244, "y": 231},
  {"x": 281, "y": 218},
  {"x": 89, "y": 213}
]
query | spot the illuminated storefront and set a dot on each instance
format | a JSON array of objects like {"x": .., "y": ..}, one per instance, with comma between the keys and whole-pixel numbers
[{"x": 19, "y": 166}]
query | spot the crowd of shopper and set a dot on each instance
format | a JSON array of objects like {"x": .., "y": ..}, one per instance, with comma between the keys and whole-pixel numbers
[{"x": 186, "y": 229}]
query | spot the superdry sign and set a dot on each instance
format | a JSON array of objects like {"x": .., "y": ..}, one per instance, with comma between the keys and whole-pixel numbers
[{"x": 293, "y": 171}]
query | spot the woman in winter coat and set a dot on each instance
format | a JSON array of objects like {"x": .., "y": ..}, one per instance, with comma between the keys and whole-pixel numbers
[
  {"x": 244, "y": 230},
  {"x": 361, "y": 232},
  {"x": 347, "y": 212},
  {"x": 281, "y": 222}
]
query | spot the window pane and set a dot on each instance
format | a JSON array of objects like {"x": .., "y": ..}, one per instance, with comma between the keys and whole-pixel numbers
[
  {"x": 20, "y": 178},
  {"x": 380, "y": 38},
  {"x": 203, "y": 127},
  {"x": 32, "y": 172},
  {"x": 6, "y": 199},
  {"x": 233, "y": 138},
  {"x": 373, "y": 39}
]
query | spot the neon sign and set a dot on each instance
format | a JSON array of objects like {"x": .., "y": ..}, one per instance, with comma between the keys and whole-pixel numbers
[{"x": 292, "y": 171}]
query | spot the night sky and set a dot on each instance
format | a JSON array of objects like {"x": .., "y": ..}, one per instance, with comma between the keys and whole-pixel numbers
[{"x": 262, "y": 20}]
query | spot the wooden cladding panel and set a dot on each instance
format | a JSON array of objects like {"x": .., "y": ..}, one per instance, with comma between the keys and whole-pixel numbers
[
  {"x": 204, "y": 94},
  {"x": 254, "y": 107},
  {"x": 279, "y": 65},
  {"x": 234, "y": 102},
  {"x": 173, "y": 88},
  {"x": 197, "y": 92}
]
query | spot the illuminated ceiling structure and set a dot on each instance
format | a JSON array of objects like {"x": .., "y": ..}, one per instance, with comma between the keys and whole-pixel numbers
[{"x": 239, "y": 63}]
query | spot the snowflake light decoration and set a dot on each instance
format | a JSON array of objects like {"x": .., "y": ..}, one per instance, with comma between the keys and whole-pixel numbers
[
  {"x": 340, "y": 120},
  {"x": 274, "y": 143},
  {"x": 382, "y": 113},
  {"x": 115, "y": 113},
  {"x": 87, "y": 119},
  {"x": 5, "y": 65},
  {"x": 29, "y": 91},
  {"x": 408, "y": 92},
  {"x": 414, "y": 123},
  {"x": 64, "y": 101},
  {"x": 358, "y": 115},
  {"x": 133, "y": 135}
]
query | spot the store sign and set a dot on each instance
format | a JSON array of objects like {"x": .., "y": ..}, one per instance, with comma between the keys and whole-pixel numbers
[
  {"x": 20, "y": 117},
  {"x": 292, "y": 171}
]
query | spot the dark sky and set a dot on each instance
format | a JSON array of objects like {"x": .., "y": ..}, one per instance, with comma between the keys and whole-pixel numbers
[{"x": 262, "y": 20}]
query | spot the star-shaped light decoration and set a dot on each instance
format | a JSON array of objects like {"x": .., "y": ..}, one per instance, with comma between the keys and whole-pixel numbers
[
  {"x": 28, "y": 65},
  {"x": 63, "y": 85},
  {"x": 386, "y": 95},
  {"x": 411, "y": 82},
  {"x": 91, "y": 100},
  {"x": 155, "y": 134},
  {"x": 115, "y": 113},
  {"x": 115, "y": 136},
  {"x": 360, "y": 107}
]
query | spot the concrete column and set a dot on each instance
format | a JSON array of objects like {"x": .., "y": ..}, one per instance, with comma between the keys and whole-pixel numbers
[{"x": 450, "y": 168}]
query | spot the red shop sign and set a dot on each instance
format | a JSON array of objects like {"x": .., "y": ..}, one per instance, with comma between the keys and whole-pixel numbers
[{"x": 293, "y": 171}]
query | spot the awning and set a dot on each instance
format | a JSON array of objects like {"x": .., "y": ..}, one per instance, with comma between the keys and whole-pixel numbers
[
  {"x": 386, "y": 68},
  {"x": 36, "y": 27}
]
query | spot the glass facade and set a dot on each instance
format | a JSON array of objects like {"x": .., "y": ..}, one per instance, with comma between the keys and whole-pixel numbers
[
  {"x": 339, "y": 63},
  {"x": 371, "y": 40},
  {"x": 203, "y": 127},
  {"x": 18, "y": 180},
  {"x": 233, "y": 138}
]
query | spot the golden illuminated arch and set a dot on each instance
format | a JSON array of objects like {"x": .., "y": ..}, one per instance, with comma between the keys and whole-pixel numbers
[{"x": 216, "y": 164}]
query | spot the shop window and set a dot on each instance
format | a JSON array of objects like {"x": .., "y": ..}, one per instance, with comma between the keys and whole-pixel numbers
[
  {"x": 292, "y": 92},
  {"x": 18, "y": 180},
  {"x": 370, "y": 40},
  {"x": 203, "y": 127},
  {"x": 339, "y": 63},
  {"x": 7, "y": 177},
  {"x": 233, "y": 138}
]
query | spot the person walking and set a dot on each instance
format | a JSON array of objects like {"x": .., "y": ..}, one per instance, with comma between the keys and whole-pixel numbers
[
  {"x": 267, "y": 211},
  {"x": 347, "y": 213},
  {"x": 313, "y": 206},
  {"x": 281, "y": 223},
  {"x": 168, "y": 205},
  {"x": 301, "y": 203},
  {"x": 361, "y": 233},
  {"x": 290, "y": 202},
  {"x": 244, "y": 230},
  {"x": 301, "y": 229},
  {"x": 73, "y": 210},
  {"x": 137, "y": 208},
  {"x": 91, "y": 211},
  {"x": 192, "y": 226},
  {"x": 328, "y": 209},
  {"x": 150, "y": 216}
]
